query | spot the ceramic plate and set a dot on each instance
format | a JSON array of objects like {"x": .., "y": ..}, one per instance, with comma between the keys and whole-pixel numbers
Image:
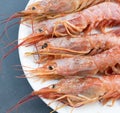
[{"x": 36, "y": 84}]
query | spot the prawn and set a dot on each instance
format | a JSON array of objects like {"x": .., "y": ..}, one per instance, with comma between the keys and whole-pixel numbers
[
  {"x": 76, "y": 23},
  {"x": 49, "y": 9},
  {"x": 76, "y": 92},
  {"x": 106, "y": 62},
  {"x": 80, "y": 45}
]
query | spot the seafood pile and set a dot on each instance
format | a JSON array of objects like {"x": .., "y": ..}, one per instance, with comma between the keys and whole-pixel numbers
[{"x": 78, "y": 43}]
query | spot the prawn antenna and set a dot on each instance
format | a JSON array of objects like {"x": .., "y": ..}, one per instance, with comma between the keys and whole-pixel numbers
[
  {"x": 12, "y": 50},
  {"x": 7, "y": 27},
  {"x": 7, "y": 20},
  {"x": 22, "y": 101}
]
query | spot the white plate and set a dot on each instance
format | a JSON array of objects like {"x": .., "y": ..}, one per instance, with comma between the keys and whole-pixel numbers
[{"x": 37, "y": 84}]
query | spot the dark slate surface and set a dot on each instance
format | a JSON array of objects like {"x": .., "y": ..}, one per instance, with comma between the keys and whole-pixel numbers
[{"x": 13, "y": 89}]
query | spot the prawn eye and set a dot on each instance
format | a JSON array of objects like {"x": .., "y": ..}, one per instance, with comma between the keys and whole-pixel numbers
[
  {"x": 40, "y": 30},
  {"x": 33, "y": 8},
  {"x": 50, "y": 67},
  {"x": 44, "y": 45},
  {"x": 52, "y": 86}
]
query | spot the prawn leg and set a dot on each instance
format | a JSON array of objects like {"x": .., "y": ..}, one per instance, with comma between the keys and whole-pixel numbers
[{"x": 70, "y": 29}]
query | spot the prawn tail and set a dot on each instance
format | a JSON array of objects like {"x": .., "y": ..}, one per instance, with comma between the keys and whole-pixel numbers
[{"x": 22, "y": 101}]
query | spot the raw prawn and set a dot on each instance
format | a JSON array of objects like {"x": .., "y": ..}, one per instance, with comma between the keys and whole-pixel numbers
[
  {"x": 74, "y": 24},
  {"x": 48, "y": 9},
  {"x": 105, "y": 62},
  {"x": 76, "y": 92},
  {"x": 82, "y": 45}
]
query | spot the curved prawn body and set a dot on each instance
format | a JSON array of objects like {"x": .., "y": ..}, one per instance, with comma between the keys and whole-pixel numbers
[
  {"x": 74, "y": 24},
  {"x": 77, "y": 91},
  {"x": 81, "y": 65},
  {"x": 48, "y": 9},
  {"x": 79, "y": 45}
]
